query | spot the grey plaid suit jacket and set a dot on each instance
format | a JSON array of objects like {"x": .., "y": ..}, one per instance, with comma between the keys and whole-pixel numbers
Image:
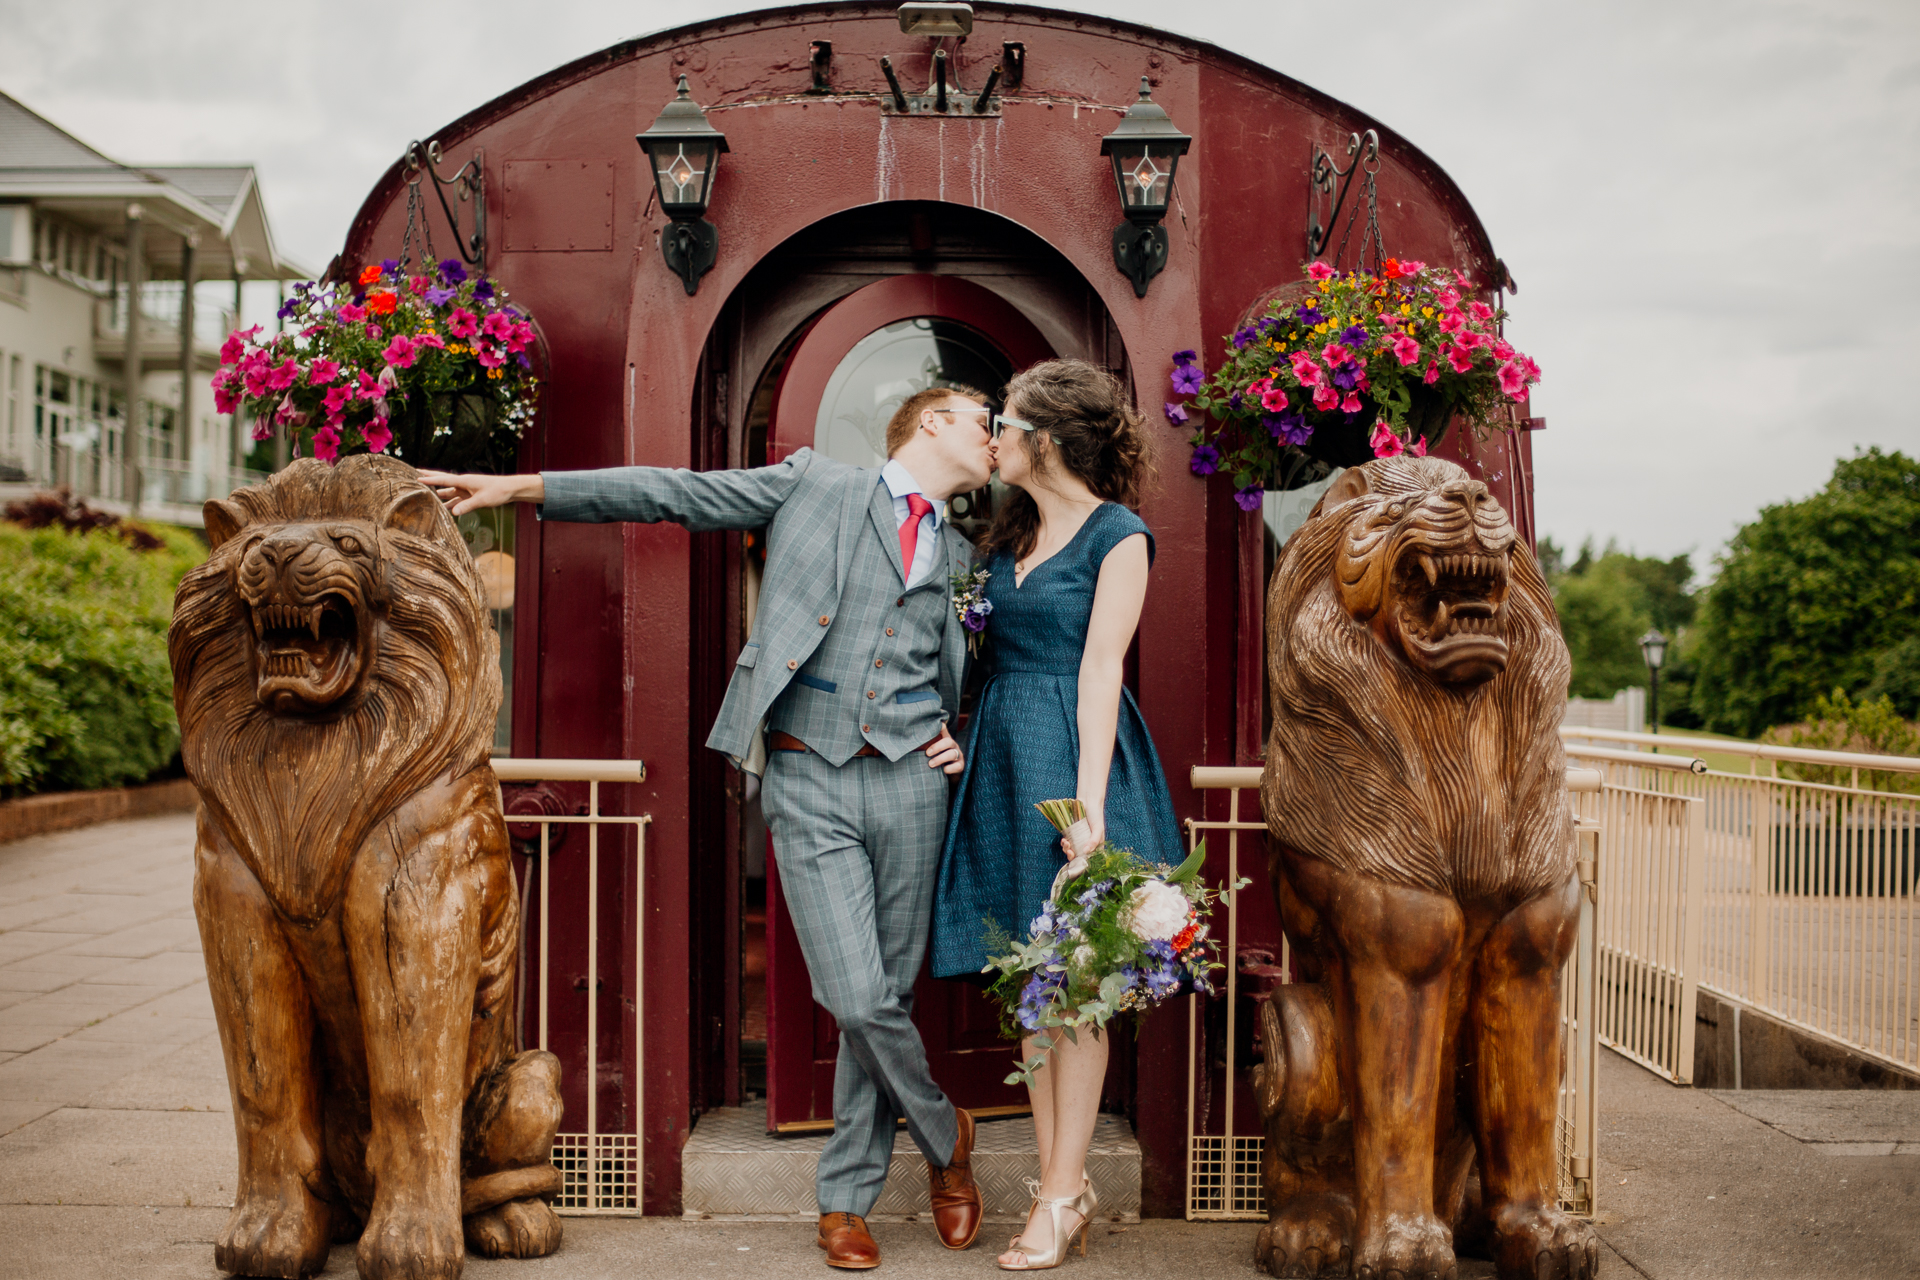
[{"x": 813, "y": 508}]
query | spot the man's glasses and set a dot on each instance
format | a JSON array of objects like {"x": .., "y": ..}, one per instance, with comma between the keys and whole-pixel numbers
[{"x": 1001, "y": 422}]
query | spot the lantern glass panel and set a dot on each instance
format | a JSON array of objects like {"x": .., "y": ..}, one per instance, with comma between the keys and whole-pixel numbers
[
  {"x": 683, "y": 170},
  {"x": 1144, "y": 173}
]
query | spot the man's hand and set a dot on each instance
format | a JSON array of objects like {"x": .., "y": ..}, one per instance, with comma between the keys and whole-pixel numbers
[
  {"x": 470, "y": 493},
  {"x": 944, "y": 753}
]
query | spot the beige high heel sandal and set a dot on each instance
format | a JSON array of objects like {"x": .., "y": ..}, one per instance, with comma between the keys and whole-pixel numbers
[{"x": 1085, "y": 1204}]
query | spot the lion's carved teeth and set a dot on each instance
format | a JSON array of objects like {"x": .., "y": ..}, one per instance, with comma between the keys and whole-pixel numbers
[
  {"x": 1427, "y": 567},
  {"x": 313, "y": 620},
  {"x": 1441, "y": 617}
]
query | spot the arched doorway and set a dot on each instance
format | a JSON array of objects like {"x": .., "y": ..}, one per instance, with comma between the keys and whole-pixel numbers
[{"x": 811, "y": 350}]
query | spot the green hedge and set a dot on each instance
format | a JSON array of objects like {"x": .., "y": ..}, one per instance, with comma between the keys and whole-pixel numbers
[{"x": 86, "y": 696}]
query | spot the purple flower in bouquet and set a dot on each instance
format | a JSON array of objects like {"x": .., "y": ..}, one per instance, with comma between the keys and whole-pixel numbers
[
  {"x": 484, "y": 289},
  {"x": 1184, "y": 357},
  {"x": 1248, "y": 498},
  {"x": 1206, "y": 460},
  {"x": 438, "y": 297},
  {"x": 1308, "y": 313},
  {"x": 1293, "y": 427},
  {"x": 1177, "y": 414},
  {"x": 1235, "y": 400},
  {"x": 1243, "y": 338},
  {"x": 452, "y": 271},
  {"x": 1353, "y": 335},
  {"x": 1187, "y": 379},
  {"x": 1346, "y": 377}
]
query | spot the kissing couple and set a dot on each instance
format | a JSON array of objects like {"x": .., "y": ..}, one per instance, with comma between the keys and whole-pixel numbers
[{"x": 845, "y": 697}]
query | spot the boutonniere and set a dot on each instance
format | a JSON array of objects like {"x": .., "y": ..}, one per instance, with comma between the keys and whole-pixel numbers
[{"x": 970, "y": 604}]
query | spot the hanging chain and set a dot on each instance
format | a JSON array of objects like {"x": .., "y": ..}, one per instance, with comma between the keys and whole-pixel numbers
[{"x": 406, "y": 239}]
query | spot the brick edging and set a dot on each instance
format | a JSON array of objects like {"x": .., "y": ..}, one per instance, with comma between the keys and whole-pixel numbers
[{"x": 65, "y": 810}]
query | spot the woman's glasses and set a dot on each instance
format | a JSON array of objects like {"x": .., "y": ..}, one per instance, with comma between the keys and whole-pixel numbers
[{"x": 1001, "y": 422}]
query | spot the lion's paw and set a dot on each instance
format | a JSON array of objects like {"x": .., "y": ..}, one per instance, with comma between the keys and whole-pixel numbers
[
  {"x": 1543, "y": 1244},
  {"x": 270, "y": 1233},
  {"x": 516, "y": 1229},
  {"x": 401, "y": 1242},
  {"x": 1309, "y": 1236},
  {"x": 1405, "y": 1247}
]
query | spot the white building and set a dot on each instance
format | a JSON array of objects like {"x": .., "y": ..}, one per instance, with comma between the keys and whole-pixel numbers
[{"x": 75, "y": 228}]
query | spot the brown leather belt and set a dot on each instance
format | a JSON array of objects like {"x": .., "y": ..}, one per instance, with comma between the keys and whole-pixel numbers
[{"x": 778, "y": 741}]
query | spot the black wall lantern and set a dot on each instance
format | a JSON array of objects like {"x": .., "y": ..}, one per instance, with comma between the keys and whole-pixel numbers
[
  {"x": 1146, "y": 148},
  {"x": 684, "y": 149}
]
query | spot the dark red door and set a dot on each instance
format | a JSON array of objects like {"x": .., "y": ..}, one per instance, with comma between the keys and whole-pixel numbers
[{"x": 847, "y": 374}]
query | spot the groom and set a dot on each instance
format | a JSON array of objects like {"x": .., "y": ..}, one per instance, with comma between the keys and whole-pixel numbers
[{"x": 853, "y": 670}]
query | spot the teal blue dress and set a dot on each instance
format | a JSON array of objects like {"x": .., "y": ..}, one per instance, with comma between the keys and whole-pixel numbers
[{"x": 1023, "y": 746}]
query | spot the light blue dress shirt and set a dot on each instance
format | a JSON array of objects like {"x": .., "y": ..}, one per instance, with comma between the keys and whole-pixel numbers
[{"x": 900, "y": 483}]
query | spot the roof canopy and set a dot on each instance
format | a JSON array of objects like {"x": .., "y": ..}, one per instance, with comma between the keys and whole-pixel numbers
[{"x": 43, "y": 164}]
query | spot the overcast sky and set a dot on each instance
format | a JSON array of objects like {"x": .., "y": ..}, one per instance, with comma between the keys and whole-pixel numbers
[{"x": 1710, "y": 207}]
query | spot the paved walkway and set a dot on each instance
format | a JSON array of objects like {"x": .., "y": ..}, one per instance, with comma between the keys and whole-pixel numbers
[{"x": 116, "y": 1142}]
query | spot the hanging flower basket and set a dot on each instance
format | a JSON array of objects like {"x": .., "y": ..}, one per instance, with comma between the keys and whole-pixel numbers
[
  {"x": 434, "y": 369},
  {"x": 1345, "y": 368}
]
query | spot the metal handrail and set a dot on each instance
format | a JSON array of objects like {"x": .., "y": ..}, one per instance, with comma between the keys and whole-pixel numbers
[{"x": 1755, "y": 750}]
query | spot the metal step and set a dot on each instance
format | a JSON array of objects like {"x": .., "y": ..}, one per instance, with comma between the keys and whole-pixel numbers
[{"x": 732, "y": 1171}]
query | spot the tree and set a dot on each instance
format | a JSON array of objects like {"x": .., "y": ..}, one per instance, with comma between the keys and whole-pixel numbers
[
  {"x": 1606, "y": 602},
  {"x": 1814, "y": 596}
]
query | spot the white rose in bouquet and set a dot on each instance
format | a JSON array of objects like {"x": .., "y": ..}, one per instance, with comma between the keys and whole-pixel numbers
[{"x": 1156, "y": 911}]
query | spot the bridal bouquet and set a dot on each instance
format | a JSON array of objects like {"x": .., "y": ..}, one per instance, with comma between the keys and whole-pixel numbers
[{"x": 1118, "y": 934}]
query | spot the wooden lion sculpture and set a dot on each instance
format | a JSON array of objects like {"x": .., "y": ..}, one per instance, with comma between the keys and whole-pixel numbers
[
  {"x": 1421, "y": 855},
  {"x": 336, "y": 679}
]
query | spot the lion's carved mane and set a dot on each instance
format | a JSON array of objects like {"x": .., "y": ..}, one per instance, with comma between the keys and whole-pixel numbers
[
  {"x": 422, "y": 703},
  {"x": 1374, "y": 765}
]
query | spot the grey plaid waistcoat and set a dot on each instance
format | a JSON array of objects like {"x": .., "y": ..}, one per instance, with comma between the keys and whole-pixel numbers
[
  {"x": 812, "y": 508},
  {"x": 876, "y": 674}
]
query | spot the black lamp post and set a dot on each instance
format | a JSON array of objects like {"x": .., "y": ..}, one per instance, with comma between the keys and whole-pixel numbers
[
  {"x": 683, "y": 150},
  {"x": 1146, "y": 149},
  {"x": 1653, "y": 646}
]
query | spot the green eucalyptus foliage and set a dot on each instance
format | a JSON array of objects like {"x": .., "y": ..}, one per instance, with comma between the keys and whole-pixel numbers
[
  {"x": 86, "y": 694},
  {"x": 1817, "y": 595}
]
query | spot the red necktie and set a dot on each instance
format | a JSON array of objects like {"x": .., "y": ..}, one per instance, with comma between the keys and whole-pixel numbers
[{"x": 917, "y": 508}]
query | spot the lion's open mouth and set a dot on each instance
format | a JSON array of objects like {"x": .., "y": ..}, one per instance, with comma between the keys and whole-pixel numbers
[
  {"x": 1450, "y": 616},
  {"x": 307, "y": 655}
]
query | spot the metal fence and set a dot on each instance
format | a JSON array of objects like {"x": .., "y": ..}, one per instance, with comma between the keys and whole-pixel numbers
[
  {"x": 603, "y": 1171},
  {"x": 1801, "y": 894},
  {"x": 1224, "y": 1181}
]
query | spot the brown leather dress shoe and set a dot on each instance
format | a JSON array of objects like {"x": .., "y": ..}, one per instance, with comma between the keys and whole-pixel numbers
[
  {"x": 955, "y": 1195},
  {"x": 848, "y": 1244}
]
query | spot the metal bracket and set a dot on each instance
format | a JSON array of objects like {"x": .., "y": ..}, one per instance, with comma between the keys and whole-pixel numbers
[
  {"x": 469, "y": 183},
  {"x": 944, "y": 98},
  {"x": 1324, "y": 172},
  {"x": 1140, "y": 253},
  {"x": 690, "y": 248}
]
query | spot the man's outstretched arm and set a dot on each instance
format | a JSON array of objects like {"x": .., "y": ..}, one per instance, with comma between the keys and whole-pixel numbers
[{"x": 699, "y": 500}]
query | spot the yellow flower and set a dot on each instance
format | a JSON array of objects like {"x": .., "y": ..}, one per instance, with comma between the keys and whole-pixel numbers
[
  {"x": 1406, "y": 308},
  {"x": 1427, "y": 311}
]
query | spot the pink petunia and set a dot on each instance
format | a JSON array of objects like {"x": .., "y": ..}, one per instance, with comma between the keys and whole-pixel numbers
[
  {"x": 337, "y": 400},
  {"x": 1448, "y": 298},
  {"x": 1481, "y": 311},
  {"x": 1533, "y": 370},
  {"x": 236, "y": 345},
  {"x": 367, "y": 388},
  {"x": 377, "y": 435},
  {"x": 351, "y": 313},
  {"x": 322, "y": 371},
  {"x": 375, "y": 332},
  {"x": 224, "y": 399},
  {"x": 326, "y": 444},
  {"x": 399, "y": 352},
  {"x": 387, "y": 380},
  {"x": 1260, "y": 386},
  {"x": 522, "y": 337},
  {"x": 1309, "y": 373},
  {"x": 1461, "y": 358},
  {"x": 1350, "y": 403},
  {"x": 1336, "y": 355},
  {"x": 1325, "y": 398},
  {"x": 1406, "y": 350},
  {"x": 1320, "y": 271},
  {"x": 429, "y": 339},
  {"x": 462, "y": 323},
  {"x": 1410, "y": 268},
  {"x": 1419, "y": 447},
  {"x": 1274, "y": 400},
  {"x": 283, "y": 375},
  {"x": 1502, "y": 350},
  {"x": 1451, "y": 322},
  {"x": 1386, "y": 444},
  {"x": 1432, "y": 375},
  {"x": 262, "y": 429},
  {"x": 288, "y": 412},
  {"x": 1513, "y": 381},
  {"x": 489, "y": 357},
  {"x": 497, "y": 325},
  {"x": 255, "y": 381},
  {"x": 418, "y": 285}
]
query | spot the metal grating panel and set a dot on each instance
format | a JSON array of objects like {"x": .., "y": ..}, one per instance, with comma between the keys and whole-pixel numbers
[
  {"x": 1220, "y": 1188},
  {"x": 610, "y": 1183}
]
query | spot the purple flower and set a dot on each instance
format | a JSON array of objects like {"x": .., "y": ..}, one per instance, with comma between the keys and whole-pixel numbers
[
  {"x": 974, "y": 620},
  {"x": 1177, "y": 414},
  {"x": 525, "y": 363},
  {"x": 1206, "y": 460},
  {"x": 1346, "y": 377},
  {"x": 438, "y": 297},
  {"x": 452, "y": 272},
  {"x": 1186, "y": 379},
  {"x": 1309, "y": 313},
  {"x": 287, "y": 308},
  {"x": 389, "y": 265},
  {"x": 1235, "y": 400},
  {"x": 1183, "y": 357},
  {"x": 1244, "y": 338},
  {"x": 484, "y": 289},
  {"x": 1353, "y": 335},
  {"x": 1270, "y": 325},
  {"x": 1293, "y": 427},
  {"x": 1248, "y": 499}
]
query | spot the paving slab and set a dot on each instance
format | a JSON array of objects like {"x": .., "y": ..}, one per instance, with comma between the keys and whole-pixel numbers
[
  {"x": 1833, "y": 1116},
  {"x": 189, "y": 1077},
  {"x": 83, "y": 1156}
]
